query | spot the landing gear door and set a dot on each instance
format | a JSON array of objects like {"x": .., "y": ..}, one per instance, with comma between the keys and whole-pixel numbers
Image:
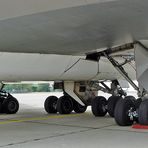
[{"x": 141, "y": 59}]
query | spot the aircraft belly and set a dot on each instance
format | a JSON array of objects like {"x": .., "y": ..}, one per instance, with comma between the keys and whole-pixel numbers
[
  {"x": 41, "y": 67},
  {"x": 31, "y": 67}
]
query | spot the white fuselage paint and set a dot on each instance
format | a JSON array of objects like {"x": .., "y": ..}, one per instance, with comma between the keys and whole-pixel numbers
[{"x": 46, "y": 67}]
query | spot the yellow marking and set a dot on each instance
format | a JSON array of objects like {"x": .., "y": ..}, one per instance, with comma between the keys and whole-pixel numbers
[{"x": 38, "y": 118}]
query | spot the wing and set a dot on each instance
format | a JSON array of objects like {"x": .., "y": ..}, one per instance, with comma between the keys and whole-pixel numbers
[{"x": 70, "y": 27}]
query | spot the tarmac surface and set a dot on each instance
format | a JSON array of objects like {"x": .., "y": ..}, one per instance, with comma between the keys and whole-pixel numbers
[{"x": 32, "y": 127}]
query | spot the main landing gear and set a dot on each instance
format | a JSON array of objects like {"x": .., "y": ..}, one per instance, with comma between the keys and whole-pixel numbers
[
  {"x": 125, "y": 109},
  {"x": 129, "y": 110},
  {"x": 8, "y": 104},
  {"x": 99, "y": 105},
  {"x": 64, "y": 105}
]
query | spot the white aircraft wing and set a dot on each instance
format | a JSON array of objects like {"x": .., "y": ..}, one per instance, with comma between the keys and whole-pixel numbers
[{"x": 73, "y": 27}]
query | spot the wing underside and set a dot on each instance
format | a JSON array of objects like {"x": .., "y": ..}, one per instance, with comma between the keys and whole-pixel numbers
[{"x": 76, "y": 29}]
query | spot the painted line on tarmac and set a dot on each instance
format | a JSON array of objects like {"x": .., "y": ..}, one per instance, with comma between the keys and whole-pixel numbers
[{"x": 38, "y": 118}]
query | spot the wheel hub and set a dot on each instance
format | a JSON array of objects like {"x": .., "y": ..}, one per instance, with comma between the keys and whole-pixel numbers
[
  {"x": 67, "y": 105},
  {"x": 132, "y": 114},
  {"x": 12, "y": 105},
  {"x": 54, "y": 104},
  {"x": 104, "y": 106}
]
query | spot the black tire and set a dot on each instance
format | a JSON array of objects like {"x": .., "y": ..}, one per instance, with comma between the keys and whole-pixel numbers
[
  {"x": 10, "y": 105},
  {"x": 65, "y": 105},
  {"x": 143, "y": 113},
  {"x": 1, "y": 107},
  {"x": 138, "y": 102},
  {"x": 50, "y": 104},
  {"x": 121, "y": 112},
  {"x": 78, "y": 108},
  {"x": 132, "y": 98},
  {"x": 112, "y": 101},
  {"x": 99, "y": 106}
]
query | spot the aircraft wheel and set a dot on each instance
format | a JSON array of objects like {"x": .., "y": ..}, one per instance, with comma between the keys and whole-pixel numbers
[
  {"x": 122, "y": 112},
  {"x": 65, "y": 105},
  {"x": 112, "y": 101},
  {"x": 99, "y": 106},
  {"x": 132, "y": 98},
  {"x": 138, "y": 102},
  {"x": 1, "y": 107},
  {"x": 10, "y": 105},
  {"x": 78, "y": 108},
  {"x": 50, "y": 104},
  {"x": 143, "y": 113}
]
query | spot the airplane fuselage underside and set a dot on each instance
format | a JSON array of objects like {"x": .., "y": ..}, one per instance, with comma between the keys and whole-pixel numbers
[{"x": 45, "y": 67}]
